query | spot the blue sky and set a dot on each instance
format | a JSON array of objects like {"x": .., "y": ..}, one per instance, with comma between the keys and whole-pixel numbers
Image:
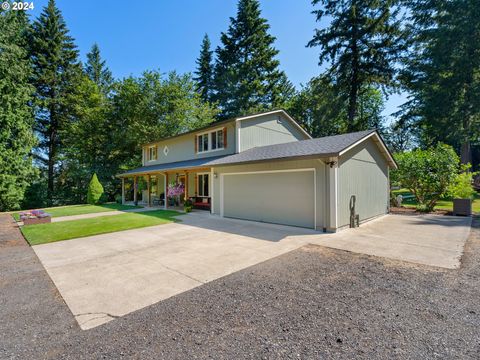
[{"x": 166, "y": 34}]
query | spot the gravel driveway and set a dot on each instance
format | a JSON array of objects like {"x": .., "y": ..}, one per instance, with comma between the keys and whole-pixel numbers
[{"x": 313, "y": 302}]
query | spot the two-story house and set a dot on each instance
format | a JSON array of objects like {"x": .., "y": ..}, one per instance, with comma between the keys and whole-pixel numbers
[{"x": 266, "y": 167}]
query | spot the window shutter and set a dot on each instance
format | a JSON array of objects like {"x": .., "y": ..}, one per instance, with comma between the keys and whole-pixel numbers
[
  {"x": 225, "y": 137},
  {"x": 195, "y": 139}
]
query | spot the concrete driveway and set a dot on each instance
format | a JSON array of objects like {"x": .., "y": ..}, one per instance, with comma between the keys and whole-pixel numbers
[{"x": 106, "y": 276}]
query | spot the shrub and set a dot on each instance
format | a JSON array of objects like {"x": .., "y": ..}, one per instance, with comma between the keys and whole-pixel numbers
[
  {"x": 462, "y": 186},
  {"x": 95, "y": 191},
  {"x": 428, "y": 174}
]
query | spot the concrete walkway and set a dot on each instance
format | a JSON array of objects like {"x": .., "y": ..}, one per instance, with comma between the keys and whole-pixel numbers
[
  {"x": 106, "y": 276},
  {"x": 427, "y": 239},
  {"x": 99, "y": 214}
]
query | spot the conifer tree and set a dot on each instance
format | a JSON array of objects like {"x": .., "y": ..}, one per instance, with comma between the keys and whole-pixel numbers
[
  {"x": 204, "y": 71},
  {"x": 442, "y": 74},
  {"x": 247, "y": 77},
  {"x": 16, "y": 117},
  {"x": 362, "y": 42},
  {"x": 95, "y": 191},
  {"x": 97, "y": 70},
  {"x": 55, "y": 70}
]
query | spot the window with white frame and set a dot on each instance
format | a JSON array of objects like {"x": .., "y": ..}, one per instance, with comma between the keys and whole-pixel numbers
[
  {"x": 203, "y": 143},
  {"x": 211, "y": 141},
  {"x": 217, "y": 139},
  {"x": 152, "y": 153},
  {"x": 203, "y": 186}
]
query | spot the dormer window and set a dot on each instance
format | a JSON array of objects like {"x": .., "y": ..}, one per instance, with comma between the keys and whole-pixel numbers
[
  {"x": 152, "y": 153},
  {"x": 211, "y": 141}
]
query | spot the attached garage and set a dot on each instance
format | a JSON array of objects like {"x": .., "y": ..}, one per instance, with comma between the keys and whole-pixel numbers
[
  {"x": 278, "y": 196},
  {"x": 308, "y": 183}
]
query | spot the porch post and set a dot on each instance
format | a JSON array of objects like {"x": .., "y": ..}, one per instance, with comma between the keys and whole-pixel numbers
[
  {"x": 333, "y": 193},
  {"x": 186, "y": 186},
  {"x": 212, "y": 191},
  {"x": 135, "y": 190},
  {"x": 149, "y": 190},
  {"x": 166, "y": 190},
  {"x": 123, "y": 191}
]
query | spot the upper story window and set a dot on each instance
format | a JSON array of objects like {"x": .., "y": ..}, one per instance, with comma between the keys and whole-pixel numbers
[
  {"x": 203, "y": 143},
  {"x": 152, "y": 153},
  {"x": 217, "y": 139},
  {"x": 214, "y": 140}
]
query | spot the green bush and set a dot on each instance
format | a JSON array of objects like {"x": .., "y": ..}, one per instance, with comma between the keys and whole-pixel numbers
[
  {"x": 95, "y": 191},
  {"x": 428, "y": 174},
  {"x": 462, "y": 186}
]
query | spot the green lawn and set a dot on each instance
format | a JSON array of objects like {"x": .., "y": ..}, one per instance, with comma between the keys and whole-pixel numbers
[
  {"x": 64, "y": 230},
  {"x": 441, "y": 205},
  {"x": 81, "y": 209}
]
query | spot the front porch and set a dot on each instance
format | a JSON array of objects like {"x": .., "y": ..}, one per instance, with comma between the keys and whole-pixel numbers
[{"x": 150, "y": 189}]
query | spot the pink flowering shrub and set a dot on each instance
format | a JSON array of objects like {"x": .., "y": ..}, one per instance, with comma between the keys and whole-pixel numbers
[{"x": 175, "y": 190}]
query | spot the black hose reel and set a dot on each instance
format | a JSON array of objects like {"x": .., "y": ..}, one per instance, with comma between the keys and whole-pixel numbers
[{"x": 354, "y": 218}]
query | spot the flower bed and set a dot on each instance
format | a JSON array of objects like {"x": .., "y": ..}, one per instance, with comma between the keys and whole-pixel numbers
[{"x": 35, "y": 217}]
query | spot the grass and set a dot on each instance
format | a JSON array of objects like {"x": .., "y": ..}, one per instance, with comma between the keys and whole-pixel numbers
[
  {"x": 64, "y": 230},
  {"x": 81, "y": 209},
  {"x": 445, "y": 204}
]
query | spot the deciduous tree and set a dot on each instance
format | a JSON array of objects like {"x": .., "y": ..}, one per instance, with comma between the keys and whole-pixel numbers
[{"x": 428, "y": 174}]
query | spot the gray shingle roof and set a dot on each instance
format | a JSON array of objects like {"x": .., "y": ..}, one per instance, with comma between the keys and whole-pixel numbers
[
  {"x": 323, "y": 147},
  {"x": 173, "y": 165},
  {"x": 320, "y": 147}
]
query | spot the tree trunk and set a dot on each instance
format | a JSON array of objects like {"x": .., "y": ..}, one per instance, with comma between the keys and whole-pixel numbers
[
  {"x": 52, "y": 148},
  {"x": 466, "y": 153},
  {"x": 354, "y": 86},
  {"x": 466, "y": 150},
  {"x": 51, "y": 164},
  {"x": 352, "y": 104}
]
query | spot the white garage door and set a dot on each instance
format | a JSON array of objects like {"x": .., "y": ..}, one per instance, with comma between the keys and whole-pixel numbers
[{"x": 277, "y": 197}]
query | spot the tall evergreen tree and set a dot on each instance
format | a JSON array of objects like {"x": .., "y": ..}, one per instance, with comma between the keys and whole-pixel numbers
[
  {"x": 204, "y": 71},
  {"x": 322, "y": 112},
  {"x": 16, "y": 117},
  {"x": 362, "y": 42},
  {"x": 247, "y": 77},
  {"x": 318, "y": 108},
  {"x": 97, "y": 70},
  {"x": 55, "y": 70},
  {"x": 442, "y": 73}
]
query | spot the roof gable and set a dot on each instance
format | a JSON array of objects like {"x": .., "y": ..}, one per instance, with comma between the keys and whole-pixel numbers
[{"x": 216, "y": 124}]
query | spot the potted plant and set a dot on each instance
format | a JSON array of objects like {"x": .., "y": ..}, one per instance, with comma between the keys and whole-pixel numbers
[
  {"x": 462, "y": 193},
  {"x": 188, "y": 205}
]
